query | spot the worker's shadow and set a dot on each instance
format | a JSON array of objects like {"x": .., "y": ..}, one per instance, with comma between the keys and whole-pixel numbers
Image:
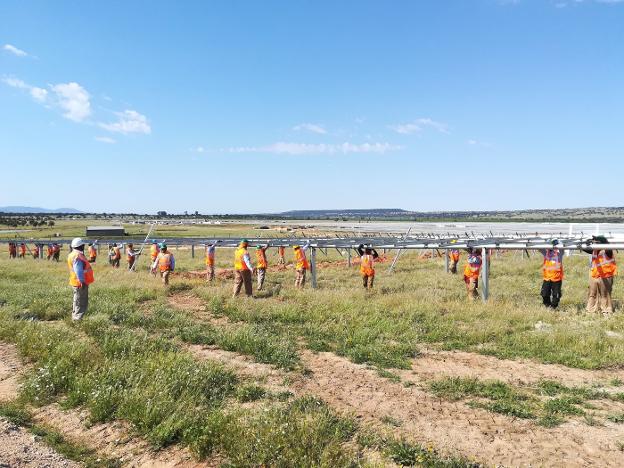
[{"x": 269, "y": 292}]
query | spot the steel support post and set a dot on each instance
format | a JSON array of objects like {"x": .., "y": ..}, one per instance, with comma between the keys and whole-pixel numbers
[
  {"x": 192, "y": 250},
  {"x": 313, "y": 267},
  {"x": 446, "y": 260},
  {"x": 485, "y": 275},
  {"x": 349, "y": 257}
]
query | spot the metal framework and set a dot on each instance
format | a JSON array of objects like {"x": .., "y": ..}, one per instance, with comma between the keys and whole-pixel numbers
[{"x": 408, "y": 241}]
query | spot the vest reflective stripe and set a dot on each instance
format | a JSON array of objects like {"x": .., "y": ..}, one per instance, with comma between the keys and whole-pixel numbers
[
  {"x": 301, "y": 262},
  {"x": 366, "y": 265},
  {"x": 239, "y": 263},
  {"x": 210, "y": 257},
  {"x": 603, "y": 266},
  {"x": 261, "y": 256},
  {"x": 88, "y": 271},
  {"x": 473, "y": 267},
  {"x": 164, "y": 261},
  {"x": 552, "y": 268}
]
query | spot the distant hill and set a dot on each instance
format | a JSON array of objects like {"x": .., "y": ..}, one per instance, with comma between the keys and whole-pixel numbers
[
  {"x": 35, "y": 209},
  {"x": 348, "y": 213}
]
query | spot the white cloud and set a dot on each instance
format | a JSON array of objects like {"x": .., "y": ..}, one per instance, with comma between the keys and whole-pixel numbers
[
  {"x": 198, "y": 149},
  {"x": 129, "y": 121},
  {"x": 105, "y": 139},
  {"x": 15, "y": 83},
  {"x": 14, "y": 50},
  {"x": 38, "y": 94},
  {"x": 483, "y": 144},
  {"x": 419, "y": 125},
  {"x": 74, "y": 100},
  {"x": 290, "y": 148},
  {"x": 310, "y": 127}
]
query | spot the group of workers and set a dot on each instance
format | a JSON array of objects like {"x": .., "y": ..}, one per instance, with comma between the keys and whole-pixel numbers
[
  {"x": 603, "y": 269},
  {"x": 53, "y": 251}
]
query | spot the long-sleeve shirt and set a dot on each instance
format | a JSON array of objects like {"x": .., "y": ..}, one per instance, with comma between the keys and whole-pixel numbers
[
  {"x": 78, "y": 266},
  {"x": 306, "y": 246},
  {"x": 247, "y": 261}
]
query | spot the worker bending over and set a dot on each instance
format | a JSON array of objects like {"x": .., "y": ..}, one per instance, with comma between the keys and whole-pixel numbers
[
  {"x": 242, "y": 269},
  {"x": 301, "y": 264},
  {"x": 92, "y": 252},
  {"x": 131, "y": 256},
  {"x": 552, "y": 273},
  {"x": 368, "y": 256},
  {"x": 80, "y": 277},
  {"x": 210, "y": 261},
  {"x": 602, "y": 272},
  {"x": 471, "y": 272},
  {"x": 261, "y": 264},
  {"x": 165, "y": 262}
]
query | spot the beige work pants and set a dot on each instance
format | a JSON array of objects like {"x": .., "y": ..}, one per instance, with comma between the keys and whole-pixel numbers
[
  {"x": 300, "y": 278},
  {"x": 242, "y": 278},
  {"x": 599, "y": 298}
]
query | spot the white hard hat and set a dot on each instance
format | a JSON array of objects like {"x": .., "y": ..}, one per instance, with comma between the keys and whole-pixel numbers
[{"x": 77, "y": 242}]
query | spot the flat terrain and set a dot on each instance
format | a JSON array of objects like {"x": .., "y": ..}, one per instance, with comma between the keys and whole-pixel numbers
[{"x": 408, "y": 374}]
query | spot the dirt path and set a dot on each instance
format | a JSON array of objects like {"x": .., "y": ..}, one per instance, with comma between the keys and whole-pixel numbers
[{"x": 10, "y": 367}]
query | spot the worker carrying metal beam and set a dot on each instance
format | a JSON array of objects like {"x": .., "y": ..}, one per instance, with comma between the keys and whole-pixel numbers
[
  {"x": 131, "y": 255},
  {"x": 552, "y": 274},
  {"x": 92, "y": 253},
  {"x": 602, "y": 272},
  {"x": 368, "y": 256},
  {"x": 301, "y": 264},
  {"x": 165, "y": 262},
  {"x": 471, "y": 272},
  {"x": 80, "y": 277},
  {"x": 154, "y": 251},
  {"x": 242, "y": 269}
]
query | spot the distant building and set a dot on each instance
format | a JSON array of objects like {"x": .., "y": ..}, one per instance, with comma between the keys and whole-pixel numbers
[{"x": 105, "y": 231}]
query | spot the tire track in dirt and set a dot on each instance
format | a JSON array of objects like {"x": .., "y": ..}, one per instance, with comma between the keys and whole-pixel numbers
[{"x": 453, "y": 428}]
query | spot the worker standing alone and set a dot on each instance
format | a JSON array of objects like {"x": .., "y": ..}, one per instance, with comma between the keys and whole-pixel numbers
[
  {"x": 301, "y": 264},
  {"x": 210, "y": 261},
  {"x": 92, "y": 252},
  {"x": 471, "y": 273},
  {"x": 368, "y": 256},
  {"x": 80, "y": 277},
  {"x": 601, "y": 275},
  {"x": 552, "y": 274},
  {"x": 261, "y": 265},
  {"x": 165, "y": 262},
  {"x": 242, "y": 269}
]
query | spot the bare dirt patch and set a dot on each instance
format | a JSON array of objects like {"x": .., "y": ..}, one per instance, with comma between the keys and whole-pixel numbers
[{"x": 10, "y": 370}]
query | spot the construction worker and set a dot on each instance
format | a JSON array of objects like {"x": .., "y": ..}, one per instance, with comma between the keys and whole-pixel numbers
[
  {"x": 35, "y": 252},
  {"x": 281, "y": 252},
  {"x": 22, "y": 250},
  {"x": 261, "y": 265},
  {"x": 368, "y": 256},
  {"x": 471, "y": 272},
  {"x": 210, "y": 261},
  {"x": 56, "y": 252},
  {"x": 454, "y": 258},
  {"x": 80, "y": 277},
  {"x": 12, "y": 250},
  {"x": 49, "y": 251},
  {"x": 154, "y": 250},
  {"x": 131, "y": 255},
  {"x": 92, "y": 253},
  {"x": 242, "y": 269},
  {"x": 116, "y": 256},
  {"x": 601, "y": 274},
  {"x": 165, "y": 262},
  {"x": 301, "y": 264},
  {"x": 552, "y": 274}
]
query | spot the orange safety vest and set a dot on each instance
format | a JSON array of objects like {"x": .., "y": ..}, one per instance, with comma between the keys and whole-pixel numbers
[
  {"x": 88, "y": 271},
  {"x": 23, "y": 249},
  {"x": 366, "y": 265},
  {"x": 301, "y": 262},
  {"x": 281, "y": 251},
  {"x": 239, "y": 263},
  {"x": 116, "y": 253},
  {"x": 92, "y": 252},
  {"x": 552, "y": 269},
  {"x": 210, "y": 257},
  {"x": 261, "y": 256},
  {"x": 128, "y": 256},
  {"x": 473, "y": 267},
  {"x": 603, "y": 266},
  {"x": 36, "y": 252},
  {"x": 164, "y": 261},
  {"x": 154, "y": 251},
  {"x": 455, "y": 255}
]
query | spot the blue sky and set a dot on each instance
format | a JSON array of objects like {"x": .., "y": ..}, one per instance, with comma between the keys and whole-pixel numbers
[{"x": 245, "y": 106}]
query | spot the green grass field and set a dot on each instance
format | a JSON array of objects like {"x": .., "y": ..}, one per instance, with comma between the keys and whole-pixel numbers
[{"x": 129, "y": 358}]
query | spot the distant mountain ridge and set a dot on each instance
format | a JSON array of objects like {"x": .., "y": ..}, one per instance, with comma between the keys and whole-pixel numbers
[{"x": 35, "y": 209}]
